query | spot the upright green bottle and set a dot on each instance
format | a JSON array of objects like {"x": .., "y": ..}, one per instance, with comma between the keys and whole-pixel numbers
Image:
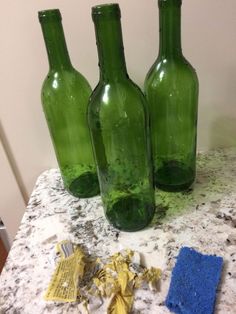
[
  {"x": 171, "y": 88},
  {"x": 65, "y": 95},
  {"x": 119, "y": 130}
]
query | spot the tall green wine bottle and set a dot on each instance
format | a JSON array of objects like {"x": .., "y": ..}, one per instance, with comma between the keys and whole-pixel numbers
[
  {"x": 65, "y": 95},
  {"x": 119, "y": 130},
  {"x": 171, "y": 88}
]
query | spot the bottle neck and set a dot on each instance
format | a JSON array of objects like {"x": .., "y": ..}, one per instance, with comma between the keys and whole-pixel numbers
[
  {"x": 110, "y": 48},
  {"x": 170, "y": 29},
  {"x": 54, "y": 38}
]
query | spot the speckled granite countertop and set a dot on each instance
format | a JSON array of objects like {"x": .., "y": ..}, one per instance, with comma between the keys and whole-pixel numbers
[{"x": 203, "y": 218}]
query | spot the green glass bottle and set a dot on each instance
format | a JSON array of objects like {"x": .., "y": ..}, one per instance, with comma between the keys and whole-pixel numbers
[
  {"x": 171, "y": 89},
  {"x": 65, "y": 95},
  {"x": 119, "y": 130}
]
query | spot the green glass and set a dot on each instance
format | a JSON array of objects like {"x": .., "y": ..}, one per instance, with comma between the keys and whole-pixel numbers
[
  {"x": 65, "y": 95},
  {"x": 171, "y": 89},
  {"x": 119, "y": 130}
]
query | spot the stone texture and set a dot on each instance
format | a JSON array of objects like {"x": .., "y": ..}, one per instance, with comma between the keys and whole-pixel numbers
[{"x": 203, "y": 218}]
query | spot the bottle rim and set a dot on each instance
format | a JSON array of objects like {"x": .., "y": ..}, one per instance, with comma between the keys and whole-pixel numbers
[
  {"x": 106, "y": 10},
  {"x": 169, "y": 2},
  {"x": 47, "y": 15}
]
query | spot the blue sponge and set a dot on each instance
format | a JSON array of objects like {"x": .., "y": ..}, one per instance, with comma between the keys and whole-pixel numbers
[{"x": 194, "y": 281}]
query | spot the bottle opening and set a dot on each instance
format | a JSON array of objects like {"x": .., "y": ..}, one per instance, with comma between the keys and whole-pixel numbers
[
  {"x": 106, "y": 10},
  {"x": 49, "y": 15},
  {"x": 163, "y": 3}
]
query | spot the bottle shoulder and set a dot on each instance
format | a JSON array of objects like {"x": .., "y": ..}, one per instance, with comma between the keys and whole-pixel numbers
[
  {"x": 167, "y": 71},
  {"x": 164, "y": 67},
  {"x": 119, "y": 86},
  {"x": 65, "y": 78},
  {"x": 120, "y": 94}
]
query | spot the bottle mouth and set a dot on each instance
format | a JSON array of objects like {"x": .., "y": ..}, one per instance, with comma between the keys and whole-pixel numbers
[
  {"x": 106, "y": 10},
  {"x": 49, "y": 15},
  {"x": 163, "y": 3}
]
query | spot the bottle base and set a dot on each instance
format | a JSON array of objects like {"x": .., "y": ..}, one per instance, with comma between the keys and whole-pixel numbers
[
  {"x": 86, "y": 185},
  {"x": 174, "y": 176},
  {"x": 130, "y": 214}
]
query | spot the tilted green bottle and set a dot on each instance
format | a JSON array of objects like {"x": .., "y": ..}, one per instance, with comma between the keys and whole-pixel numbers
[
  {"x": 65, "y": 95},
  {"x": 171, "y": 88},
  {"x": 119, "y": 130}
]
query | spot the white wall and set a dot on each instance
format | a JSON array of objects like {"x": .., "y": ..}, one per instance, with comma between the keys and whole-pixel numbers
[{"x": 209, "y": 42}]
